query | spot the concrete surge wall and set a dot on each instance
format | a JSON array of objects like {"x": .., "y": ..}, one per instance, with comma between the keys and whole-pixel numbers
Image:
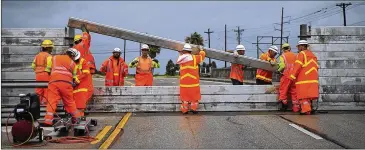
[
  {"x": 341, "y": 56},
  {"x": 249, "y": 74}
]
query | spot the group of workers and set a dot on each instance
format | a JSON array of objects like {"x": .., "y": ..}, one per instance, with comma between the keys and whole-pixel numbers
[
  {"x": 69, "y": 75},
  {"x": 299, "y": 75}
]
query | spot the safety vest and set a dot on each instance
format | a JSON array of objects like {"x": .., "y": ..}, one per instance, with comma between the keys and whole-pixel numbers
[
  {"x": 305, "y": 74},
  {"x": 84, "y": 49},
  {"x": 83, "y": 77},
  {"x": 63, "y": 69},
  {"x": 264, "y": 74},
  {"x": 42, "y": 62},
  {"x": 110, "y": 74},
  {"x": 289, "y": 59},
  {"x": 237, "y": 72},
  {"x": 189, "y": 72},
  {"x": 144, "y": 65}
]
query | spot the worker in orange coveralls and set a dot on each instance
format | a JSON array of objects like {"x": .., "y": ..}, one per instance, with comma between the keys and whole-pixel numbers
[
  {"x": 264, "y": 77},
  {"x": 84, "y": 90},
  {"x": 144, "y": 65},
  {"x": 305, "y": 76},
  {"x": 61, "y": 86},
  {"x": 189, "y": 78},
  {"x": 42, "y": 67},
  {"x": 237, "y": 70},
  {"x": 82, "y": 44},
  {"x": 286, "y": 65},
  {"x": 115, "y": 68}
]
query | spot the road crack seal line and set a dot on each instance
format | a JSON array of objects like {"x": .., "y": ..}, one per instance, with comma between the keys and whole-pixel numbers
[
  {"x": 193, "y": 133},
  {"x": 324, "y": 136}
]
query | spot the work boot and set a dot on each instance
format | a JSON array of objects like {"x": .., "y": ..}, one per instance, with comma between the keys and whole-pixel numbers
[
  {"x": 284, "y": 106},
  {"x": 194, "y": 112}
]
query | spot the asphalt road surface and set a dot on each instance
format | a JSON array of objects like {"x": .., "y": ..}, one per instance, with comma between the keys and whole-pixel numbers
[
  {"x": 159, "y": 82},
  {"x": 222, "y": 130}
]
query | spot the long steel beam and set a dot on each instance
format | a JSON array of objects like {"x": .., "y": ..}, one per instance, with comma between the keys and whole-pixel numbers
[{"x": 166, "y": 43}]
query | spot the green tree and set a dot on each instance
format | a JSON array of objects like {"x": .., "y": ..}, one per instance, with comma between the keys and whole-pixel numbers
[
  {"x": 195, "y": 38},
  {"x": 170, "y": 68},
  {"x": 154, "y": 51}
]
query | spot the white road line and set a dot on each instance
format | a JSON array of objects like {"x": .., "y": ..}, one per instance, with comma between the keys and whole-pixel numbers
[{"x": 306, "y": 131}]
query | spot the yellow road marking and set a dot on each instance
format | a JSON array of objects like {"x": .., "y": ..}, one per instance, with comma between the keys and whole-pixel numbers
[
  {"x": 101, "y": 134},
  {"x": 116, "y": 131},
  {"x": 129, "y": 83}
]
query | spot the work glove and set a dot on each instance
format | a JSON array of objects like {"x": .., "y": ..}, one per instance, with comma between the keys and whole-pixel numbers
[
  {"x": 273, "y": 63},
  {"x": 235, "y": 54},
  {"x": 83, "y": 28},
  {"x": 155, "y": 60},
  {"x": 201, "y": 48},
  {"x": 134, "y": 62},
  {"x": 74, "y": 84}
]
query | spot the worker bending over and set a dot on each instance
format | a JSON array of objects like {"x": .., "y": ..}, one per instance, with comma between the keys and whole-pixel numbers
[
  {"x": 115, "y": 68},
  {"x": 305, "y": 76},
  {"x": 144, "y": 65},
  {"x": 237, "y": 70},
  {"x": 84, "y": 89},
  {"x": 61, "y": 85},
  {"x": 286, "y": 65},
  {"x": 42, "y": 67},
  {"x": 82, "y": 44},
  {"x": 189, "y": 78},
  {"x": 264, "y": 77}
]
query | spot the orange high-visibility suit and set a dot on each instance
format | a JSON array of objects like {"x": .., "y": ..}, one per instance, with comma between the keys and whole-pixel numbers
[
  {"x": 190, "y": 81},
  {"x": 265, "y": 75},
  {"x": 84, "y": 49},
  {"x": 305, "y": 75},
  {"x": 42, "y": 67},
  {"x": 286, "y": 85},
  {"x": 60, "y": 87},
  {"x": 85, "y": 88},
  {"x": 144, "y": 76},
  {"x": 236, "y": 74},
  {"x": 116, "y": 71}
]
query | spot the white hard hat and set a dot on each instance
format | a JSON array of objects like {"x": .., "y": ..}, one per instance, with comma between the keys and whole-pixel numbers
[
  {"x": 302, "y": 42},
  {"x": 145, "y": 46},
  {"x": 274, "y": 48},
  {"x": 187, "y": 47},
  {"x": 117, "y": 50},
  {"x": 240, "y": 48},
  {"x": 75, "y": 53}
]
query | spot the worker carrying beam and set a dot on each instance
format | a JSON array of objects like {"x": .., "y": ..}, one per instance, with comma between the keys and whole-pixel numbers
[
  {"x": 144, "y": 65},
  {"x": 189, "y": 78},
  {"x": 237, "y": 70},
  {"x": 264, "y": 77},
  {"x": 82, "y": 44},
  {"x": 61, "y": 86},
  {"x": 84, "y": 89},
  {"x": 305, "y": 76},
  {"x": 42, "y": 67},
  {"x": 115, "y": 68},
  {"x": 287, "y": 87}
]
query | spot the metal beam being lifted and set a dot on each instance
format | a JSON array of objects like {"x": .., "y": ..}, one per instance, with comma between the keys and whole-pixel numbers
[{"x": 166, "y": 43}]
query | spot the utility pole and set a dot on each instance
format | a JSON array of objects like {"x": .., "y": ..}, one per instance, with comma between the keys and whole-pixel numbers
[
  {"x": 239, "y": 32},
  {"x": 125, "y": 43},
  {"x": 281, "y": 29},
  {"x": 225, "y": 43},
  {"x": 209, "y": 32},
  {"x": 343, "y": 6}
]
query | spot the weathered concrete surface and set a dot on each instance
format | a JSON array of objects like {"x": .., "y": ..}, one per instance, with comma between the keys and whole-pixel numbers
[
  {"x": 337, "y": 47},
  {"x": 33, "y": 32},
  {"x": 343, "y": 129},
  {"x": 28, "y": 50},
  {"x": 30, "y": 41},
  {"x": 340, "y": 64},
  {"x": 338, "y": 30},
  {"x": 249, "y": 74},
  {"x": 210, "y": 131}
]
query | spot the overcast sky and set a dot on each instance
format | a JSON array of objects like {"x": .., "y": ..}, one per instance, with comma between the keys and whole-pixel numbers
[{"x": 178, "y": 19}]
